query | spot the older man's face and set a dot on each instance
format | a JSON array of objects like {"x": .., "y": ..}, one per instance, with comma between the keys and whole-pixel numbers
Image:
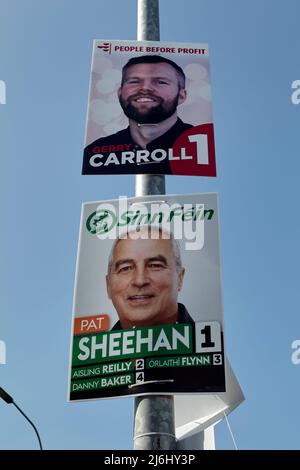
[
  {"x": 143, "y": 282},
  {"x": 150, "y": 92}
]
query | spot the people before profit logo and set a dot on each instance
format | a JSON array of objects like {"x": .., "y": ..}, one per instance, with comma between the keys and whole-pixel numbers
[
  {"x": 295, "y": 97},
  {"x": 106, "y": 47},
  {"x": 2, "y": 352},
  {"x": 2, "y": 92},
  {"x": 295, "y": 357}
]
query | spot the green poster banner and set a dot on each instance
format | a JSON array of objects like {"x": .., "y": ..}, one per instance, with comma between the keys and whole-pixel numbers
[{"x": 137, "y": 342}]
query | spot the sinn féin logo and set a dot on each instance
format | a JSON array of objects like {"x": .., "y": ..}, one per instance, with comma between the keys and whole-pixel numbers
[
  {"x": 101, "y": 221},
  {"x": 105, "y": 47},
  {"x": 184, "y": 221}
]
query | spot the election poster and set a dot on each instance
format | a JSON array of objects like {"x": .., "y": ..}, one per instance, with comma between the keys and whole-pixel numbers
[
  {"x": 148, "y": 313},
  {"x": 149, "y": 110}
]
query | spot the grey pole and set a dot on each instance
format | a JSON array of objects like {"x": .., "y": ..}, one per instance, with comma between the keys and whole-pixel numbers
[
  {"x": 148, "y": 30},
  {"x": 154, "y": 426}
]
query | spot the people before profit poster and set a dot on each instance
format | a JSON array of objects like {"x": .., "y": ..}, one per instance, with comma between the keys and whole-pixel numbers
[{"x": 149, "y": 110}]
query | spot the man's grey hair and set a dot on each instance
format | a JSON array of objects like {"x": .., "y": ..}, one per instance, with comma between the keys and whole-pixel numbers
[{"x": 162, "y": 231}]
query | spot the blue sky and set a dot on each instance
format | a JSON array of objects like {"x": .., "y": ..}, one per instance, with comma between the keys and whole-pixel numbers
[{"x": 45, "y": 56}]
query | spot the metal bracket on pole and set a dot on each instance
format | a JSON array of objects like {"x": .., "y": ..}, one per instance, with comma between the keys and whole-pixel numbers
[{"x": 154, "y": 426}]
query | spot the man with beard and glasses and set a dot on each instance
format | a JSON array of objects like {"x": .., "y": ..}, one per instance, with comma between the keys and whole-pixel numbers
[{"x": 151, "y": 89}]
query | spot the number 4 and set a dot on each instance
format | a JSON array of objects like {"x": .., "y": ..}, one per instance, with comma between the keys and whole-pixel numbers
[{"x": 139, "y": 377}]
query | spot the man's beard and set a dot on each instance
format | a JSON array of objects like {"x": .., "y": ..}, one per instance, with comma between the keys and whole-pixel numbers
[{"x": 154, "y": 114}]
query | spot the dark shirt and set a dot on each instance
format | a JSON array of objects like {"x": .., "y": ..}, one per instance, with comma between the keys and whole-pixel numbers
[
  {"x": 122, "y": 142},
  {"x": 183, "y": 317}
]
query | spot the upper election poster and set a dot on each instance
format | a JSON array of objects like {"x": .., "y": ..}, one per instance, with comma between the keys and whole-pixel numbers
[
  {"x": 149, "y": 110},
  {"x": 148, "y": 315}
]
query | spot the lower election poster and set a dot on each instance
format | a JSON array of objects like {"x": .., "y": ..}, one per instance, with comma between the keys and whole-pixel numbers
[{"x": 148, "y": 314}]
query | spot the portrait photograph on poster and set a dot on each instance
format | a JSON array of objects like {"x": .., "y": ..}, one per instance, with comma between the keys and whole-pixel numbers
[
  {"x": 148, "y": 313},
  {"x": 149, "y": 110}
]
